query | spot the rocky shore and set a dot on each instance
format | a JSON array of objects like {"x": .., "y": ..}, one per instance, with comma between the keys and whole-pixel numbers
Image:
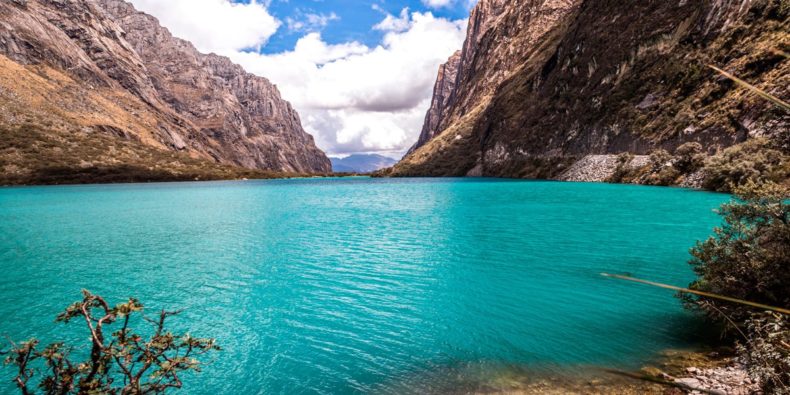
[
  {"x": 674, "y": 373},
  {"x": 725, "y": 380},
  {"x": 599, "y": 168}
]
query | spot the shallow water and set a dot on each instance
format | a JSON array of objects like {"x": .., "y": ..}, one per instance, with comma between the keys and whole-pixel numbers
[{"x": 363, "y": 285}]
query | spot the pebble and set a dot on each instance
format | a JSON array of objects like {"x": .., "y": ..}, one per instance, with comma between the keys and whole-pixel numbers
[{"x": 729, "y": 380}]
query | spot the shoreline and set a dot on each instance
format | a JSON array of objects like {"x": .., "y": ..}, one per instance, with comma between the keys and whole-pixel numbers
[
  {"x": 177, "y": 180},
  {"x": 673, "y": 372}
]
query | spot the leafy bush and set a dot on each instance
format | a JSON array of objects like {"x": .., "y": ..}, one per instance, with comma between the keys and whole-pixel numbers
[
  {"x": 659, "y": 159},
  {"x": 749, "y": 255},
  {"x": 767, "y": 352},
  {"x": 120, "y": 362},
  {"x": 751, "y": 162},
  {"x": 748, "y": 258},
  {"x": 661, "y": 169},
  {"x": 689, "y": 157}
]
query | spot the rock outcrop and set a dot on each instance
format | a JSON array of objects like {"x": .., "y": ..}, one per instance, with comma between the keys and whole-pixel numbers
[
  {"x": 443, "y": 92},
  {"x": 99, "y": 65},
  {"x": 541, "y": 84}
]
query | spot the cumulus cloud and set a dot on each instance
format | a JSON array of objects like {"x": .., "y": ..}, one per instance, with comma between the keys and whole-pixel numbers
[
  {"x": 354, "y": 98},
  {"x": 351, "y": 97},
  {"x": 217, "y": 26},
  {"x": 395, "y": 23}
]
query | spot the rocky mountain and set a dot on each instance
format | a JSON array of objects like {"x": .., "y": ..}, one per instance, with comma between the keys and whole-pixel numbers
[
  {"x": 440, "y": 102},
  {"x": 88, "y": 69},
  {"x": 361, "y": 163},
  {"x": 543, "y": 87}
]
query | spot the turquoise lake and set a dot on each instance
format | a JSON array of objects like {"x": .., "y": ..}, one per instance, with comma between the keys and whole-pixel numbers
[{"x": 363, "y": 285}]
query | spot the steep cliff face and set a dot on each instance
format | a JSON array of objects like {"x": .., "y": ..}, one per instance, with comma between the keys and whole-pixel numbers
[
  {"x": 443, "y": 92},
  {"x": 544, "y": 83},
  {"x": 100, "y": 66}
]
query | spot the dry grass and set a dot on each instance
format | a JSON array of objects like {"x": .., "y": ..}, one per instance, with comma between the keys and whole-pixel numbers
[{"x": 30, "y": 154}]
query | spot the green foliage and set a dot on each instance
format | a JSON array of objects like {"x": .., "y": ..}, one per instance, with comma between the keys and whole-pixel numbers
[
  {"x": 748, "y": 258},
  {"x": 689, "y": 157},
  {"x": 32, "y": 154},
  {"x": 659, "y": 159},
  {"x": 754, "y": 161},
  {"x": 124, "y": 362},
  {"x": 749, "y": 255},
  {"x": 767, "y": 352},
  {"x": 662, "y": 170}
]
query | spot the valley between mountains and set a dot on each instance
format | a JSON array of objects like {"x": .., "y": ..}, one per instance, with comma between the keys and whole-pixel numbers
[{"x": 95, "y": 91}]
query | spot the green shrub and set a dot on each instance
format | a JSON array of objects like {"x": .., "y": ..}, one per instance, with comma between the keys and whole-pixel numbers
[
  {"x": 767, "y": 352},
  {"x": 751, "y": 162},
  {"x": 689, "y": 157},
  {"x": 748, "y": 257},
  {"x": 659, "y": 159}
]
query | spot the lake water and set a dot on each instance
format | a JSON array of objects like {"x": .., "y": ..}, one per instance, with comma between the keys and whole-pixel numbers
[{"x": 363, "y": 285}]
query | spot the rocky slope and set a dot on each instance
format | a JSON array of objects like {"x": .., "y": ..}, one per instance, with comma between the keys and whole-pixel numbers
[
  {"x": 440, "y": 102},
  {"x": 100, "y": 68},
  {"x": 541, "y": 84}
]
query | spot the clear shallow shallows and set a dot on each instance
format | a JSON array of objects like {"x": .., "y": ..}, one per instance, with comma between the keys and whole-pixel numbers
[{"x": 363, "y": 285}]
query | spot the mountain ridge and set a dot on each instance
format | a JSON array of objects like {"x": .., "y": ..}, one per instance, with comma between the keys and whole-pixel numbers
[
  {"x": 542, "y": 84},
  {"x": 361, "y": 163},
  {"x": 85, "y": 67}
]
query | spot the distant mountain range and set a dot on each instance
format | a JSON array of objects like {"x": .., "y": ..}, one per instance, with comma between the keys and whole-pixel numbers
[{"x": 361, "y": 163}]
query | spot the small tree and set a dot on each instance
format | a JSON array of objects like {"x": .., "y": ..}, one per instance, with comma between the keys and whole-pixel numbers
[
  {"x": 659, "y": 159},
  {"x": 749, "y": 256},
  {"x": 689, "y": 157},
  {"x": 121, "y": 362}
]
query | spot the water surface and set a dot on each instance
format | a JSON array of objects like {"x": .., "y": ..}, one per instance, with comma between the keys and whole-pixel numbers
[{"x": 363, "y": 285}]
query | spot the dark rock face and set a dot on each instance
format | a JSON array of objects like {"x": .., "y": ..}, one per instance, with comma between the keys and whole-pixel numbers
[
  {"x": 543, "y": 83},
  {"x": 153, "y": 87}
]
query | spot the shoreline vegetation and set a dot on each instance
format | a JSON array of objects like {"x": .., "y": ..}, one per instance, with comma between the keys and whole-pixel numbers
[
  {"x": 126, "y": 175},
  {"x": 755, "y": 226},
  {"x": 34, "y": 154}
]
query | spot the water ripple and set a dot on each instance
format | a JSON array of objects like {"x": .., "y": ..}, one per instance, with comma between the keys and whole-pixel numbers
[{"x": 361, "y": 285}]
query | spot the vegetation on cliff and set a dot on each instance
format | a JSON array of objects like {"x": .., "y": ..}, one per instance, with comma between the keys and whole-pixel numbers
[
  {"x": 101, "y": 66},
  {"x": 563, "y": 92},
  {"x": 32, "y": 154}
]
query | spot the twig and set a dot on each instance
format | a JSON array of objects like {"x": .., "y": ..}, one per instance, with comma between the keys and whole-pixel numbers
[
  {"x": 700, "y": 293},
  {"x": 754, "y": 89}
]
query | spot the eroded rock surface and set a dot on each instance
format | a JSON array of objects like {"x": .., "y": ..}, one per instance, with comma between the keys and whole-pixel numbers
[
  {"x": 107, "y": 67},
  {"x": 542, "y": 84}
]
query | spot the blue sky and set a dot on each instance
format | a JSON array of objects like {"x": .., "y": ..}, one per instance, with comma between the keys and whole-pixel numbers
[
  {"x": 355, "y": 19},
  {"x": 360, "y": 73}
]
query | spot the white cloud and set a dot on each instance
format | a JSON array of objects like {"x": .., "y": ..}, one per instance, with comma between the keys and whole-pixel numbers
[
  {"x": 359, "y": 99},
  {"x": 310, "y": 22},
  {"x": 214, "y": 25},
  {"x": 437, "y": 3},
  {"x": 351, "y": 97},
  {"x": 395, "y": 23}
]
